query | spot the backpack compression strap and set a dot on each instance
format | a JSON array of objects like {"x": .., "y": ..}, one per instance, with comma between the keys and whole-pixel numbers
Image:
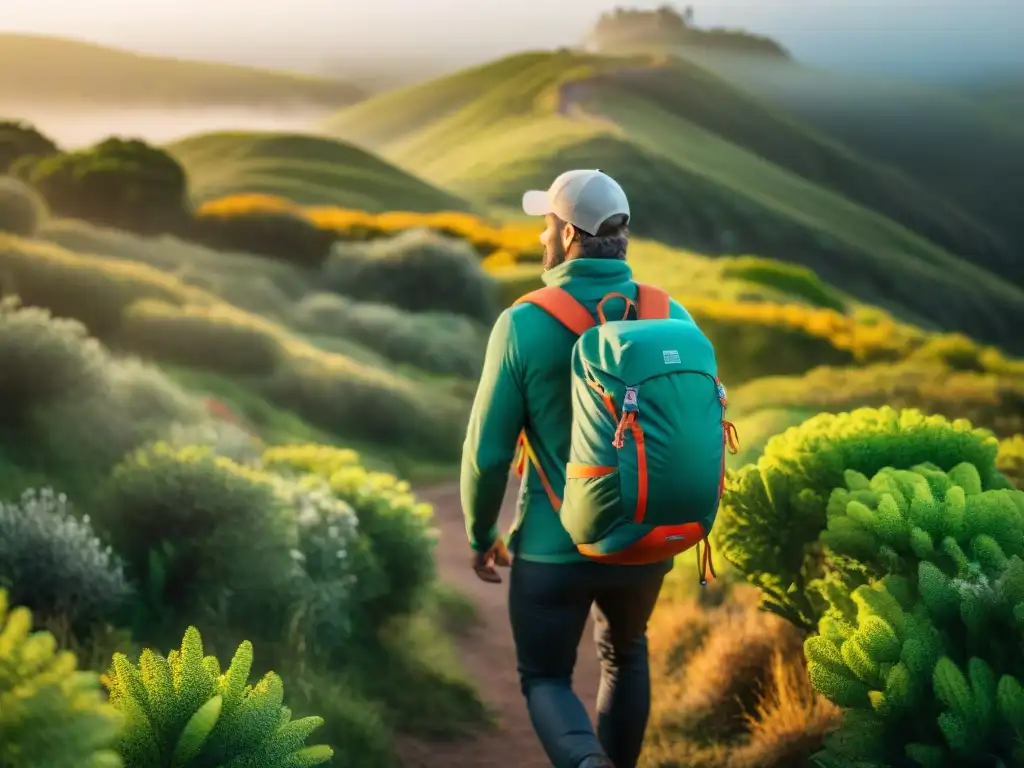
[{"x": 652, "y": 304}]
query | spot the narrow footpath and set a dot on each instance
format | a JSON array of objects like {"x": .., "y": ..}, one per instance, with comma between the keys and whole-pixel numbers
[{"x": 488, "y": 655}]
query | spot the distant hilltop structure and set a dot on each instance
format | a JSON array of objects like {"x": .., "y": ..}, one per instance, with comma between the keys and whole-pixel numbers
[{"x": 633, "y": 30}]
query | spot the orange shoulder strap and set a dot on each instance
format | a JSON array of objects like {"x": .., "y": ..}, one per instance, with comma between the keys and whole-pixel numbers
[
  {"x": 558, "y": 303},
  {"x": 652, "y": 302}
]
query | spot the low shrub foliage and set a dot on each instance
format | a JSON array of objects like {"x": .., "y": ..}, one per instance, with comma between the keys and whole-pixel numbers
[
  {"x": 897, "y": 540},
  {"x": 183, "y": 711},
  {"x": 418, "y": 271},
  {"x": 52, "y": 715},
  {"x": 203, "y": 537},
  {"x": 22, "y": 210}
]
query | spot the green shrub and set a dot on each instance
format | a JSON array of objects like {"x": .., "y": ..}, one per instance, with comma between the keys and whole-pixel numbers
[
  {"x": 342, "y": 575},
  {"x": 72, "y": 408},
  {"x": 282, "y": 235},
  {"x": 921, "y": 638},
  {"x": 144, "y": 393},
  {"x": 417, "y": 270},
  {"x": 184, "y": 712},
  {"x": 199, "y": 336},
  {"x": 21, "y": 208},
  {"x": 340, "y": 395},
  {"x": 43, "y": 359},
  {"x": 257, "y": 284},
  {"x": 1010, "y": 459},
  {"x": 792, "y": 279},
  {"x": 335, "y": 392},
  {"x": 396, "y": 526},
  {"x": 202, "y": 535},
  {"x": 126, "y": 184},
  {"x": 85, "y": 435},
  {"x": 438, "y": 342},
  {"x": 749, "y": 350},
  {"x": 355, "y": 726},
  {"x": 992, "y": 400},
  {"x": 52, "y": 563},
  {"x": 93, "y": 290},
  {"x": 20, "y": 140},
  {"x": 959, "y": 352},
  {"x": 14, "y": 476},
  {"x": 224, "y": 438},
  {"x": 51, "y": 714},
  {"x": 773, "y": 512}
]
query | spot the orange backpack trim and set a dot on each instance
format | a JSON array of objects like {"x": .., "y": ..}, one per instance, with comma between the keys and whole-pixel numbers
[
  {"x": 653, "y": 303},
  {"x": 527, "y": 454},
  {"x": 560, "y": 304},
  {"x": 661, "y": 543},
  {"x": 575, "y": 471}
]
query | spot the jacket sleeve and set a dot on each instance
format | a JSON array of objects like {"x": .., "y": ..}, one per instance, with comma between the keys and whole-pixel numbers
[
  {"x": 678, "y": 312},
  {"x": 498, "y": 415}
]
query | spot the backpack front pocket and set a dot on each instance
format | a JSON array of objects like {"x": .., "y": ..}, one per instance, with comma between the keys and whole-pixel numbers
[{"x": 592, "y": 502}]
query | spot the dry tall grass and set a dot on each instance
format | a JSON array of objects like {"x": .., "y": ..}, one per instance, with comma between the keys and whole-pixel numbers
[{"x": 730, "y": 689}]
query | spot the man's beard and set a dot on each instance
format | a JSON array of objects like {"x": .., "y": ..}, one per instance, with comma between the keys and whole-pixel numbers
[{"x": 554, "y": 254}]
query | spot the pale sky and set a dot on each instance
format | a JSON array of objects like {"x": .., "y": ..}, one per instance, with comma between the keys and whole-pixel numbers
[{"x": 912, "y": 35}]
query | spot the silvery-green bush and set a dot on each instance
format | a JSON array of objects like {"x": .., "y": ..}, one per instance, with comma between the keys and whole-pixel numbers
[
  {"x": 340, "y": 570},
  {"x": 53, "y": 563}
]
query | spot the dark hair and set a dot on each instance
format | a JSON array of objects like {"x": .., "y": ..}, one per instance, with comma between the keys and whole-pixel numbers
[{"x": 610, "y": 242}]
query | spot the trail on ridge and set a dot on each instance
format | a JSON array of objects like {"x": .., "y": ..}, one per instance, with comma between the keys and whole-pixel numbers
[{"x": 488, "y": 654}]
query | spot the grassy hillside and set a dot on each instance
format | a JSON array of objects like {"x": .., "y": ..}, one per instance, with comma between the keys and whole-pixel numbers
[
  {"x": 198, "y": 407},
  {"x": 306, "y": 169},
  {"x": 972, "y": 153},
  {"x": 48, "y": 69},
  {"x": 246, "y": 351},
  {"x": 700, "y": 97},
  {"x": 493, "y": 131},
  {"x": 1004, "y": 97}
]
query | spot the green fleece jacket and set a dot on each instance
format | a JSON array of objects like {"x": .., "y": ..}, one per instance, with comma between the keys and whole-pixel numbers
[{"x": 526, "y": 383}]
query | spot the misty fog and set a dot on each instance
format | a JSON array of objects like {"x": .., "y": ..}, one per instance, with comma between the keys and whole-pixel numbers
[
  {"x": 911, "y": 38},
  {"x": 78, "y": 126}
]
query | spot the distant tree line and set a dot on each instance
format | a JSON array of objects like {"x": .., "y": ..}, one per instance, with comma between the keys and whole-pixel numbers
[
  {"x": 130, "y": 185},
  {"x": 122, "y": 183},
  {"x": 667, "y": 25}
]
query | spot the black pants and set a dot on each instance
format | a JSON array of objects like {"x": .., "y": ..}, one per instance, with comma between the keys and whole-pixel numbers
[{"x": 548, "y": 606}]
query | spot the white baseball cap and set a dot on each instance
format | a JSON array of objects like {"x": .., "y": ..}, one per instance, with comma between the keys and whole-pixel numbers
[{"x": 585, "y": 199}]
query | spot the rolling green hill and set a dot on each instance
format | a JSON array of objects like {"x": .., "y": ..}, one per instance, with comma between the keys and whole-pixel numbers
[
  {"x": 496, "y": 130},
  {"x": 1004, "y": 97},
  {"x": 49, "y": 69},
  {"x": 696, "y": 95},
  {"x": 969, "y": 149},
  {"x": 306, "y": 169}
]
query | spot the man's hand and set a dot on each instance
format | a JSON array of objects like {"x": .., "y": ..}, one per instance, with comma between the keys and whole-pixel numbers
[{"x": 484, "y": 562}]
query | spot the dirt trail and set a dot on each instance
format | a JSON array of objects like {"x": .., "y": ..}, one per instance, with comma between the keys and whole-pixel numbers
[{"x": 489, "y": 656}]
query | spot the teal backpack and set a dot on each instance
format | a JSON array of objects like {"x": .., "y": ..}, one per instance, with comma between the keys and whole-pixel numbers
[{"x": 646, "y": 464}]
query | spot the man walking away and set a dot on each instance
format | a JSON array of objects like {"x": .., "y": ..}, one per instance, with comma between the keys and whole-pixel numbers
[{"x": 525, "y": 401}]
